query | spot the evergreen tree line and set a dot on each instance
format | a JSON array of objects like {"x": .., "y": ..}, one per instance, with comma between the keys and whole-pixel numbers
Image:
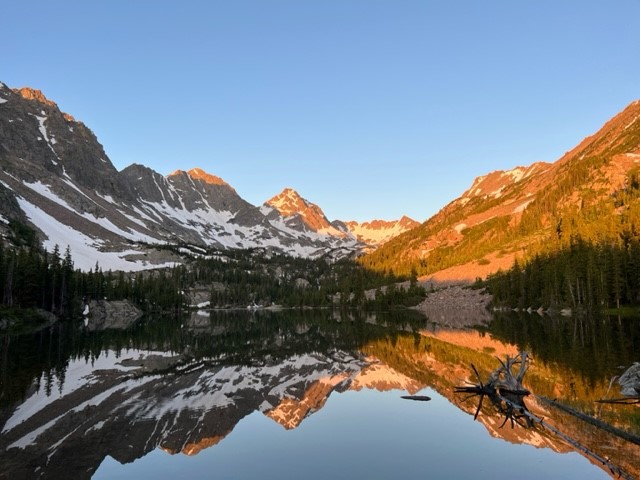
[
  {"x": 30, "y": 278},
  {"x": 583, "y": 275},
  {"x": 33, "y": 279},
  {"x": 298, "y": 282}
]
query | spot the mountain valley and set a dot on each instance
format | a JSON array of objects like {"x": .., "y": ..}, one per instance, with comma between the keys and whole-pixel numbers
[{"x": 57, "y": 179}]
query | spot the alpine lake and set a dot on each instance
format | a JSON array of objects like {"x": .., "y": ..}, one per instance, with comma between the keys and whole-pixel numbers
[{"x": 315, "y": 394}]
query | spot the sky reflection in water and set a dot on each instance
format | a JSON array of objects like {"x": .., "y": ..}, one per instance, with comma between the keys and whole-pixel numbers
[{"x": 366, "y": 434}]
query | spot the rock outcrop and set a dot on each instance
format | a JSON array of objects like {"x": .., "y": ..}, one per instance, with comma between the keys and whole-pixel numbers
[{"x": 114, "y": 314}]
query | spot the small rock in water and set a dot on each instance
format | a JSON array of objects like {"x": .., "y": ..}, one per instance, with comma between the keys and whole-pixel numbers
[
  {"x": 630, "y": 381},
  {"x": 420, "y": 398}
]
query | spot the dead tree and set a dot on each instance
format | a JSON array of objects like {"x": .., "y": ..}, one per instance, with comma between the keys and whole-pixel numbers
[{"x": 503, "y": 389}]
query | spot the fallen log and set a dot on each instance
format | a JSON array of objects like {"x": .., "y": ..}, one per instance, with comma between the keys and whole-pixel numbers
[
  {"x": 591, "y": 420},
  {"x": 621, "y": 401}
]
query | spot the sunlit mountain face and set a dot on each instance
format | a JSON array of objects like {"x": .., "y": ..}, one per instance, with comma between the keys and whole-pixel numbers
[
  {"x": 590, "y": 192},
  {"x": 77, "y": 403}
]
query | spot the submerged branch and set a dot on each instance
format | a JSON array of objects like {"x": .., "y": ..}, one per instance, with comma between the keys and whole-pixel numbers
[
  {"x": 621, "y": 401},
  {"x": 593, "y": 421}
]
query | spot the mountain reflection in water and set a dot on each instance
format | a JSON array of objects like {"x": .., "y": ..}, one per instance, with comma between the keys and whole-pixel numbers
[{"x": 71, "y": 399}]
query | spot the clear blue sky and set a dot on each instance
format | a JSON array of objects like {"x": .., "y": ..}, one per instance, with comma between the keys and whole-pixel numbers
[{"x": 372, "y": 109}]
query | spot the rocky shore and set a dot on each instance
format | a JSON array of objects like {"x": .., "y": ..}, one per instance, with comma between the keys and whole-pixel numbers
[
  {"x": 116, "y": 314},
  {"x": 455, "y": 305}
]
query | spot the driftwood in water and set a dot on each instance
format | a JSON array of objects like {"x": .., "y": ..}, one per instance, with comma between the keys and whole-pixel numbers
[
  {"x": 505, "y": 390},
  {"x": 420, "y": 398},
  {"x": 621, "y": 401}
]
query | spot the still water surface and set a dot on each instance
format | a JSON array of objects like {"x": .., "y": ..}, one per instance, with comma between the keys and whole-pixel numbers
[{"x": 305, "y": 394}]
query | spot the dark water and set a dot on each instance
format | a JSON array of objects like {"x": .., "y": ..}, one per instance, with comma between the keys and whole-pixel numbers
[{"x": 307, "y": 394}]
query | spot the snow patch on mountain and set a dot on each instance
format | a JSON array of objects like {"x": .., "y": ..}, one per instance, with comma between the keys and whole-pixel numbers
[
  {"x": 516, "y": 174},
  {"x": 522, "y": 207},
  {"x": 104, "y": 222},
  {"x": 46, "y": 192},
  {"x": 378, "y": 232},
  {"x": 86, "y": 251},
  {"x": 460, "y": 227},
  {"x": 69, "y": 181},
  {"x": 212, "y": 225},
  {"x": 50, "y": 140}
]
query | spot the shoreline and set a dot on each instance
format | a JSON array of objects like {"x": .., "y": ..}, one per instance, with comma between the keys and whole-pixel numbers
[{"x": 455, "y": 304}]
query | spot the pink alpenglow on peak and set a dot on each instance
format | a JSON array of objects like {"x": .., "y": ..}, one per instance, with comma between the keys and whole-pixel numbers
[{"x": 377, "y": 232}]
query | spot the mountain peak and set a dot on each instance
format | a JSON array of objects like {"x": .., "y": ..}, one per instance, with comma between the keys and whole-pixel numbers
[
  {"x": 289, "y": 203},
  {"x": 34, "y": 94},
  {"x": 199, "y": 174},
  {"x": 408, "y": 221}
]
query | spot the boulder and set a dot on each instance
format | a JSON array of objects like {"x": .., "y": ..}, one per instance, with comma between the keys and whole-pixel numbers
[{"x": 116, "y": 314}]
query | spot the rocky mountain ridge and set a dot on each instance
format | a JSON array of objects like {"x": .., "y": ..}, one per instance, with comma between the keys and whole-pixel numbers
[
  {"x": 588, "y": 192},
  {"x": 378, "y": 232},
  {"x": 57, "y": 178}
]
